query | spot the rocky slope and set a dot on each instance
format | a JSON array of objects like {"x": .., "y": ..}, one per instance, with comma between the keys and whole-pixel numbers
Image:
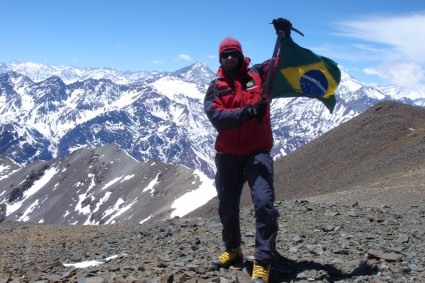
[
  {"x": 317, "y": 242},
  {"x": 99, "y": 186},
  {"x": 382, "y": 150}
]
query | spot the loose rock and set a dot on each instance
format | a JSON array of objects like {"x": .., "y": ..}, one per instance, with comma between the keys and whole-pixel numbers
[{"x": 316, "y": 243}]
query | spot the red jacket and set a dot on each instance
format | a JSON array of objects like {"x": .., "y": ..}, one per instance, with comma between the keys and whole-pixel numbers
[{"x": 224, "y": 105}]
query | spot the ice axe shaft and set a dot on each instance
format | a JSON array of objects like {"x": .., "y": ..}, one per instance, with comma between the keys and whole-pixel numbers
[
  {"x": 270, "y": 71},
  {"x": 267, "y": 84}
]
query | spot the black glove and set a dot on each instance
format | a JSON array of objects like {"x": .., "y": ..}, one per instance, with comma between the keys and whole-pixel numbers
[
  {"x": 282, "y": 24},
  {"x": 257, "y": 110}
]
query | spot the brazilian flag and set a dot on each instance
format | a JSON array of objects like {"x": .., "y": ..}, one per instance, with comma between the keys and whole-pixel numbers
[{"x": 302, "y": 73}]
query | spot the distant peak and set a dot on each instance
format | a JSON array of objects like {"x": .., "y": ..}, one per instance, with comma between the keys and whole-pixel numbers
[{"x": 197, "y": 66}]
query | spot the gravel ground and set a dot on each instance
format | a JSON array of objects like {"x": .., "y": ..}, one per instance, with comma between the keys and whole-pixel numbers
[{"x": 317, "y": 242}]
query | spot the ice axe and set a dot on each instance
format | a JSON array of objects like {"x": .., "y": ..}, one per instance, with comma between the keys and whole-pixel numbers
[{"x": 280, "y": 26}]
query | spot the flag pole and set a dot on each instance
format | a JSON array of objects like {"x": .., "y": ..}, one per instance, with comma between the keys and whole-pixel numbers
[{"x": 270, "y": 72}]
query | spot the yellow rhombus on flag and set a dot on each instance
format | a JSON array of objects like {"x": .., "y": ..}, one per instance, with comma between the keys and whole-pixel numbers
[{"x": 301, "y": 73}]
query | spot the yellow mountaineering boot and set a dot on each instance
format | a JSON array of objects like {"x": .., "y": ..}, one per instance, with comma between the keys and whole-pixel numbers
[
  {"x": 228, "y": 258},
  {"x": 260, "y": 273}
]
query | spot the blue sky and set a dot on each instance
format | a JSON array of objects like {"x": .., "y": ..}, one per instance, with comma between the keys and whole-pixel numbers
[{"x": 376, "y": 41}]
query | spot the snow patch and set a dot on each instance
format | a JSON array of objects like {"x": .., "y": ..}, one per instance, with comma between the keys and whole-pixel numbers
[
  {"x": 37, "y": 185},
  {"x": 126, "y": 178},
  {"x": 89, "y": 263},
  {"x": 111, "y": 183},
  {"x": 151, "y": 185},
  {"x": 196, "y": 198},
  {"x": 174, "y": 88}
]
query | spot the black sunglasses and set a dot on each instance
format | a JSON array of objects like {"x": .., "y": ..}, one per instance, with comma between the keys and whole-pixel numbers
[{"x": 232, "y": 54}]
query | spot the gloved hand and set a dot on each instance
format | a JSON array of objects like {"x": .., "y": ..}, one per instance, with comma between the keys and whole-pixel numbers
[
  {"x": 282, "y": 24},
  {"x": 258, "y": 109}
]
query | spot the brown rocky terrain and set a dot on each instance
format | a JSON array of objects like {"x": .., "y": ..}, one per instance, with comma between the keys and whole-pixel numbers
[
  {"x": 351, "y": 209},
  {"x": 317, "y": 243},
  {"x": 376, "y": 158}
]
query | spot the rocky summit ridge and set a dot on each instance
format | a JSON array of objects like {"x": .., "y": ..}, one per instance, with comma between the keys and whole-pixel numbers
[{"x": 317, "y": 242}]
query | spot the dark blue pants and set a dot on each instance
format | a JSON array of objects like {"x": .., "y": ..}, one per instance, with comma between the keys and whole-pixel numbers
[{"x": 232, "y": 173}]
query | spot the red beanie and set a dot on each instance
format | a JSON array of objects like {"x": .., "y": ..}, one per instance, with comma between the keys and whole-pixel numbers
[{"x": 229, "y": 43}]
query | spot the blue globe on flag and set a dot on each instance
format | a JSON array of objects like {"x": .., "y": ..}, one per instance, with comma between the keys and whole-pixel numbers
[{"x": 314, "y": 82}]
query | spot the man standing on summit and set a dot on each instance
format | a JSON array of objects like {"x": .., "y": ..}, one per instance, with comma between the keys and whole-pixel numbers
[{"x": 235, "y": 107}]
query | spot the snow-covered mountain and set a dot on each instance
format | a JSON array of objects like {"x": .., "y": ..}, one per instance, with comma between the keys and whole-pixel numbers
[
  {"x": 56, "y": 113},
  {"x": 50, "y": 111},
  {"x": 155, "y": 119},
  {"x": 69, "y": 74},
  {"x": 100, "y": 186}
]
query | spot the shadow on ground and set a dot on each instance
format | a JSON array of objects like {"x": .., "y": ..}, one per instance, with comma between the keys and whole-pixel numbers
[{"x": 287, "y": 270}]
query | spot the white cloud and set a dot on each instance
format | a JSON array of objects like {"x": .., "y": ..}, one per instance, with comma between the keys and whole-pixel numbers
[
  {"x": 394, "y": 45},
  {"x": 183, "y": 57},
  {"x": 402, "y": 37},
  {"x": 157, "y": 62},
  {"x": 405, "y": 74}
]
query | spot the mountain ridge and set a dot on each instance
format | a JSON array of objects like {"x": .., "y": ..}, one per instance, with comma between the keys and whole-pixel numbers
[
  {"x": 98, "y": 186},
  {"x": 159, "y": 118}
]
